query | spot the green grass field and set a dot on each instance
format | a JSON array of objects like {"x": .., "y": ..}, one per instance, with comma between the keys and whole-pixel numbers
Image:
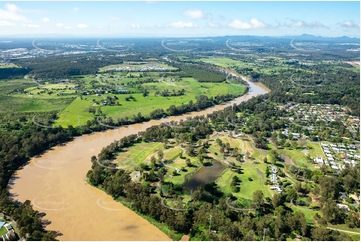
[
  {"x": 3, "y": 231},
  {"x": 223, "y": 62},
  {"x": 299, "y": 156},
  {"x": 137, "y": 155},
  {"x": 18, "y": 104},
  {"x": 77, "y": 111},
  {"x": 11, "y": 65},
  {"x": 8, "y": 86}
]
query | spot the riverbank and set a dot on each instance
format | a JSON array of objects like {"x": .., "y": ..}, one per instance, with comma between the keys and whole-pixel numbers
[{"x": 164, "y": 228}]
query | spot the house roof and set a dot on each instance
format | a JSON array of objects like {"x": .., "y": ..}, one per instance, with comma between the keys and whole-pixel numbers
[{"x": 8, "y": 226}]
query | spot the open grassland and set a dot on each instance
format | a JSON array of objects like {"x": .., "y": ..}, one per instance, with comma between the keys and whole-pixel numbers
[
  {"x": 11, "y": 65},
  {"x": 273, "y": 66},
  {"x": 145, "y": 105},
  {"x": 299, "y": 155},
  {"x": 18, "y": 104},
  {"x": 223, "y": 62},
  {"x": 9, "y": 86},
  {"x": 137, "y": 154}
]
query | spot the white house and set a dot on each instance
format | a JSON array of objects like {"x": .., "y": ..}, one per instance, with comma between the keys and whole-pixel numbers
[
  {"x": 343, "y": 206},
  {"x": 319, "y": 160}
]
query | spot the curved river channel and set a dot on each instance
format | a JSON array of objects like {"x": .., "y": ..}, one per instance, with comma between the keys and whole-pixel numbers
[{"x": 55, "y": 184}]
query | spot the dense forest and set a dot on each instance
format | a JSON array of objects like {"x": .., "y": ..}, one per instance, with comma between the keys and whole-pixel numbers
[
  {"x": 66, "y": 66},
  {"x": 10, "y": 73}
]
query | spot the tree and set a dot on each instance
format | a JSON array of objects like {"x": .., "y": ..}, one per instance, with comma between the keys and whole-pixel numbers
[
  {"x": 291, "y": 194},
  {"x": 99, "y": 111},
  {"x": 329, "y": 210},
  {"x": 320, "y": 233},
  {"x": 301, "y": 142},
  {"x": 274, "y": 156},
  {"x": 297, "y": 186},
  {"x": 190, "y": 150},
  {"x": 145, "y": 93},
  {"x": 257, "y": 199},
  {"x": 160, "y": 155},
  {"x": 352, "y": 221},
  {"x": 153, "y": 160},
  {"x": 276, "y": 200}
]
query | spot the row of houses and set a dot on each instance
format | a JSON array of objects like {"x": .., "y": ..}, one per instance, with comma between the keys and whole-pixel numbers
[
  {"x": 273, "y": 178},
  {"x": 338, "y": 156},
  {"x": 308, "y": 114}
]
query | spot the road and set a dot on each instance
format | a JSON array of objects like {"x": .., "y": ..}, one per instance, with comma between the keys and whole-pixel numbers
[{"x": 345, "y": 231}]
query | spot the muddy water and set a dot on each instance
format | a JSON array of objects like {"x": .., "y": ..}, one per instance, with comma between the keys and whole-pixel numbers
[
  {"x": 205, "y": 175},
  {"x": 55, "y": 183}
]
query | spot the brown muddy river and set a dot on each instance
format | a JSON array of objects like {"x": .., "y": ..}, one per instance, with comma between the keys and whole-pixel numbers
[{"x": 55, "y": 183}]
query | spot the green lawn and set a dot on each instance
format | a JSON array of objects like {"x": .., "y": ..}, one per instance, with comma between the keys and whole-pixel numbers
[
  {"x": 247, "y": 188},
  {"x": 172, "y": 153},
  {"x": 3, "y": 231},
  {"x": 309, "y": 214},
  {"x": 137, "y": 155}
]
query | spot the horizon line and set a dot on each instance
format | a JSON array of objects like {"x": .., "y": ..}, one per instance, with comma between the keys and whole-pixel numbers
[{"x": 160, "y": 36}]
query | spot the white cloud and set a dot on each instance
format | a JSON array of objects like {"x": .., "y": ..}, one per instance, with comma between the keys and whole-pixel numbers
[
  {"x": 12, "y": 7},
  {"x": 350, "y": 25},
  {"x": 257, "y": 24},
  {"x": 301, "y": 23},
  {"x": 194, "y": 13},
  {"x": 82, "y": 26},
  {"x": 11, "y": 13},
  {"x": 252, "y": 24},
  {"x": 6, "y": 23},
  {"x": 76, "y": 9},
  {"x": 135, "y": 26},
  {"x": 45, "y": 20},
  {"x": 181, "y": 24}
]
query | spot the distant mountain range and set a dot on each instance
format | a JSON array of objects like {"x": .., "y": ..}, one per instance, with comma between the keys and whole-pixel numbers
[{"x": 303, "y": 37}]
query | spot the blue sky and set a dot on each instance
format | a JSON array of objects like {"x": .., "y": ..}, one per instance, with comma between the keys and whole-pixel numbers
[{"x": 178, "y": 19}]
